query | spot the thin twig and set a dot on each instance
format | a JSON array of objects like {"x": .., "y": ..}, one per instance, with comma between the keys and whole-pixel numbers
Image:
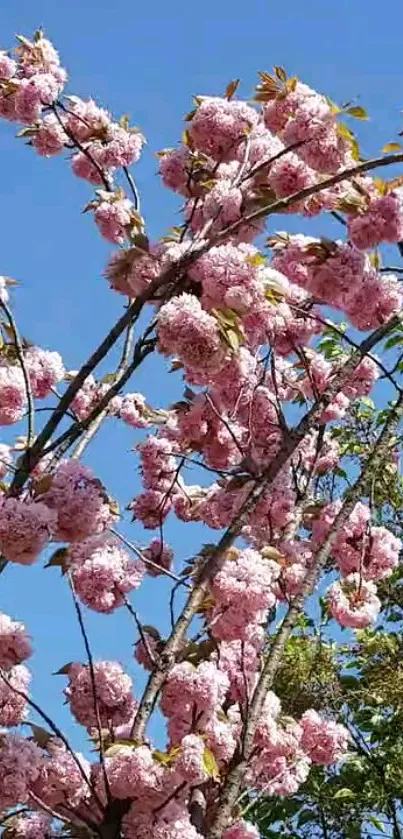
[
  {"x": 93, "y": 684},
  {"x": 135, "y": 192},
  {"x": 141, "y": 632},
  {"x": 180, "y": 580}
]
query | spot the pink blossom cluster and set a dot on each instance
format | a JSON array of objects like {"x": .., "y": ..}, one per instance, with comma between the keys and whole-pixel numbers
[
  {"x": 62, "y": 777},
  {"x": 218, "y": 126},
  {"x": 242, "y": 591},
  {"x": 339, "y": 275},
  {"x": 90, "y": 394},
  {"x": 157, "y": 465},
  {"x": 13, "y": 394},
  {"x": 25, "y": 528},
  {"x": 30, "y": 82},
  {"x": 187, "y": 331},
  {"x": 382, "y": 221},
  {"x": 133, "y": 772},
  {"x": 241, "y": 830},
  {"x": 15, "y": 646},
  {"x": 130, "y": 271},
  {"x": 103, "y": 572},
  {"x": 20, "y": 762},
  {"x": 364, "y": 553},
  {"x": 79, "y": 502},
  {"x": 160, "y": 557},
  {"x": 105, "y": 144},
  {"x": 285, "y": 749},
  {"x": 295, "y": 560},
  {"x": 240, "y": 661},
  {"x": 324, "y": 741},
  {"x": 113, "y": 686},
  {"x": 45, "y": 369},
  {"x": 13, "y": 695},
  {"x": 353, "y": 602},
  {"x": 112, "y": 216},
  {"x": 132, "y": 410},
  {"x": 299, "y": 114}
]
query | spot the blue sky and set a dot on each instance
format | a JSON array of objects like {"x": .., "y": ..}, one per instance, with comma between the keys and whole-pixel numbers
[{"x": 147, "y": 59}]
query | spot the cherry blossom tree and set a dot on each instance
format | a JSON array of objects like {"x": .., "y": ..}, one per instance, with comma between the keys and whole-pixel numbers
[{"x": 269, "y": 420}]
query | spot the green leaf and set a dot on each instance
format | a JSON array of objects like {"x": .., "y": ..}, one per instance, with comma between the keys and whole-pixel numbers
[
  {"x": 232, "y": 339},
  {"x": 210, "y": 764},
  {"x": 377, "y": 823},
  {"x": 393, "y": 341},
  {"x": 393, "y": 146},
  {"x": 344, "y": 794},
  {"x": 357, "y": 111}
]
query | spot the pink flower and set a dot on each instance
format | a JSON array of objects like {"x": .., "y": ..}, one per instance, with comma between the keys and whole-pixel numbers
[
  {"x": 103, "y": 572},
  {"x": 381, "y": 222},
  {"x": 374, "y": 301},
  {"x": 13, "y": 707},
  {"x": 15, "y": 646},
  {"x": 133, "y": 771},
  {"x": 122, "y": 147},
  {"x": 114, "y": 694},
  {"x": 132, "y": 410},
  {"x": 160, "y": 554},
  {"x": 45, "y": 370},
  {"x": 175, "y": 168},
  {"x": 219, "y": 125},
  {"x": 112, "y": 217},
  {"x": 151, "y": 507},
  {"x": 49, "y": 137},
  {"x": 204, "y": 685},
  {"x": 20, "y": 762},
  {"x": 82, "y": 506},
  {"x": 33, "y": 95},
  {"x": 158, "y": 467},
  {"x": 13, "y": 397},
  {"x": 40, "y": 56},
  {"x": 246, "y": 578},
  {"x": 86, "y": 398},
  {"x": 25, "y": 528},
  {"x": 223, "y": 204},
  {"x": 190, "y": 764},
  {"x": 84, "y": 167},
  {"x": 241, "y": 830},
  {"x": 8, "y": 66},
  {"x": 224, "y": 270},
  {"x": 289, "y": 174},
  {"x": 186, "y": 330},
  {"x": 62, "y": 777},
  {"x": 353, "y": 602},
  {"x": 324, "y": 741},
  {"x": 86, "y": 119}
]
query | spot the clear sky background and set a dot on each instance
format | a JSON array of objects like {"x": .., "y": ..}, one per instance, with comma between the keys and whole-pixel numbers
[{"x": 147, "y": 59}]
